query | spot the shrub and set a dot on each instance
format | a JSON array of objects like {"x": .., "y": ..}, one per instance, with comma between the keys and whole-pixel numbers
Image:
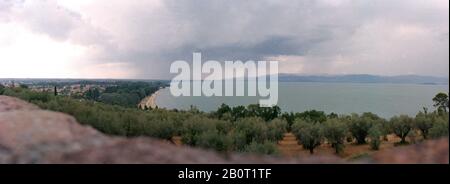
[
  {"x": 289, "y": 117},
  {"x": 195, "y": 126},
  {"x": 276, "y": 129},
  {"x": 359, "y": 127},
  {"x": 239, "y": 140},
  {"x": 223, "y": 109},
  {"x": 312, "y": 115},
  {"x": 24, "y": 86},
  {"x": 309, "y": 134},
  {"x": 238, "y": 112},
  {"x": 214, "y": 140},
  {"x": 375, "y": 134},
  {"x": 227, "y": 117},
  {"x": 253, "y": 129},
  {"x": 2, "y": 89},
  {"x": 385, "y": 129},
  {"x": 176, "y": 119},
  {"x": 423, "y": 122},
  {"x": 335, "y": 131},
  {"x": 440, "y": 128},
  {"x": 37, "y": 96},
  {"x": 223, "y": 127},
  {"x": 401, "y": 125},
  {"x": 163, "y": 129},
  {"x": 267, "y": 113},
  {"x": 265, "y": 148}
]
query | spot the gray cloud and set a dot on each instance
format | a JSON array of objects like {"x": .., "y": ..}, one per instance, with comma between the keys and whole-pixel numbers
[{"x": 330, "y": 36}]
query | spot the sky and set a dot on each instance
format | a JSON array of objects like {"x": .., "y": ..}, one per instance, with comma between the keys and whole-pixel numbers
[{"x": 139, "y": 39}]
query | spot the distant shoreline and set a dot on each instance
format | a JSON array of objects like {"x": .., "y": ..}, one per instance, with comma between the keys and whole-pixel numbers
[{"x": 149, "y": 101}]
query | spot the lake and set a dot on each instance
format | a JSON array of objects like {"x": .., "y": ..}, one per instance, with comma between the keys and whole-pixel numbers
[{"x": 386, "y": 100}]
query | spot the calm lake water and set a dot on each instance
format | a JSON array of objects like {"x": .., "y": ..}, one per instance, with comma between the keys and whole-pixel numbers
[{"x": 386, "y": 100}]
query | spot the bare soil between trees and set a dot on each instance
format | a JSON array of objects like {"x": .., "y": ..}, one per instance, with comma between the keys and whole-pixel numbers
[{"x": 289, "y": 147}]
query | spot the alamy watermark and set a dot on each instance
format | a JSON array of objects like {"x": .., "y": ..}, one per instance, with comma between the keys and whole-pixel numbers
[{"x": 229, "y": 79}]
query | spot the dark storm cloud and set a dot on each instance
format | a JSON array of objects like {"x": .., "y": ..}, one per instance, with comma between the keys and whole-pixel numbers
[{"x": 320, "y": 36}]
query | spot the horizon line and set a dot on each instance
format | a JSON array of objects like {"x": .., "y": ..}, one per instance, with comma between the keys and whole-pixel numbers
[{"x": 294, "y": 74}]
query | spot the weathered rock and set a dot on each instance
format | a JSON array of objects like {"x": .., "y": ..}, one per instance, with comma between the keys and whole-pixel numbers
[
  {"x": 35, "y": 134},
  {"x": 31, "y": 135},
  {"x": 10, "y": 103}
]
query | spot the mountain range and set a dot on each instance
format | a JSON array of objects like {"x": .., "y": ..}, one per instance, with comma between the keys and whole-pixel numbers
[{"x": 363, "y": 78}]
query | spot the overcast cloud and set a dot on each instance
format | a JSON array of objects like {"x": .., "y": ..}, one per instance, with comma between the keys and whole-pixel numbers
[{"x": 140, "y": 39}]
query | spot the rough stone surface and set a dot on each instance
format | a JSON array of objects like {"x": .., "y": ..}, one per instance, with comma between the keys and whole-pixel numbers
[
  {"x": 9, "y": 104},
  {"x": 31, "y": 135}
]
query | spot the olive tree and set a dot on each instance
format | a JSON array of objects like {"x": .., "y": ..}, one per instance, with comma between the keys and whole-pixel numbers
[
  {"x": 359, "y": 126},
  {"x": 265, "y": 148},
  {"x": 401, "y": 125},
  {"x": 309, "y": 134},
  {"x": 440, "y": 128},
  {"x": 251, "y": 129},
  {"x": 423, "y": 122},
  {"x": 194, "y": 126},
  {"x": 213, "y": 139},
  {"x": 163, "y": 129},
  {"x": 276, "y": 129},
  {"x": 223, "y": 109},
  {"x": 335, "y": 131},
  {"x": 374, "y": 135}
]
